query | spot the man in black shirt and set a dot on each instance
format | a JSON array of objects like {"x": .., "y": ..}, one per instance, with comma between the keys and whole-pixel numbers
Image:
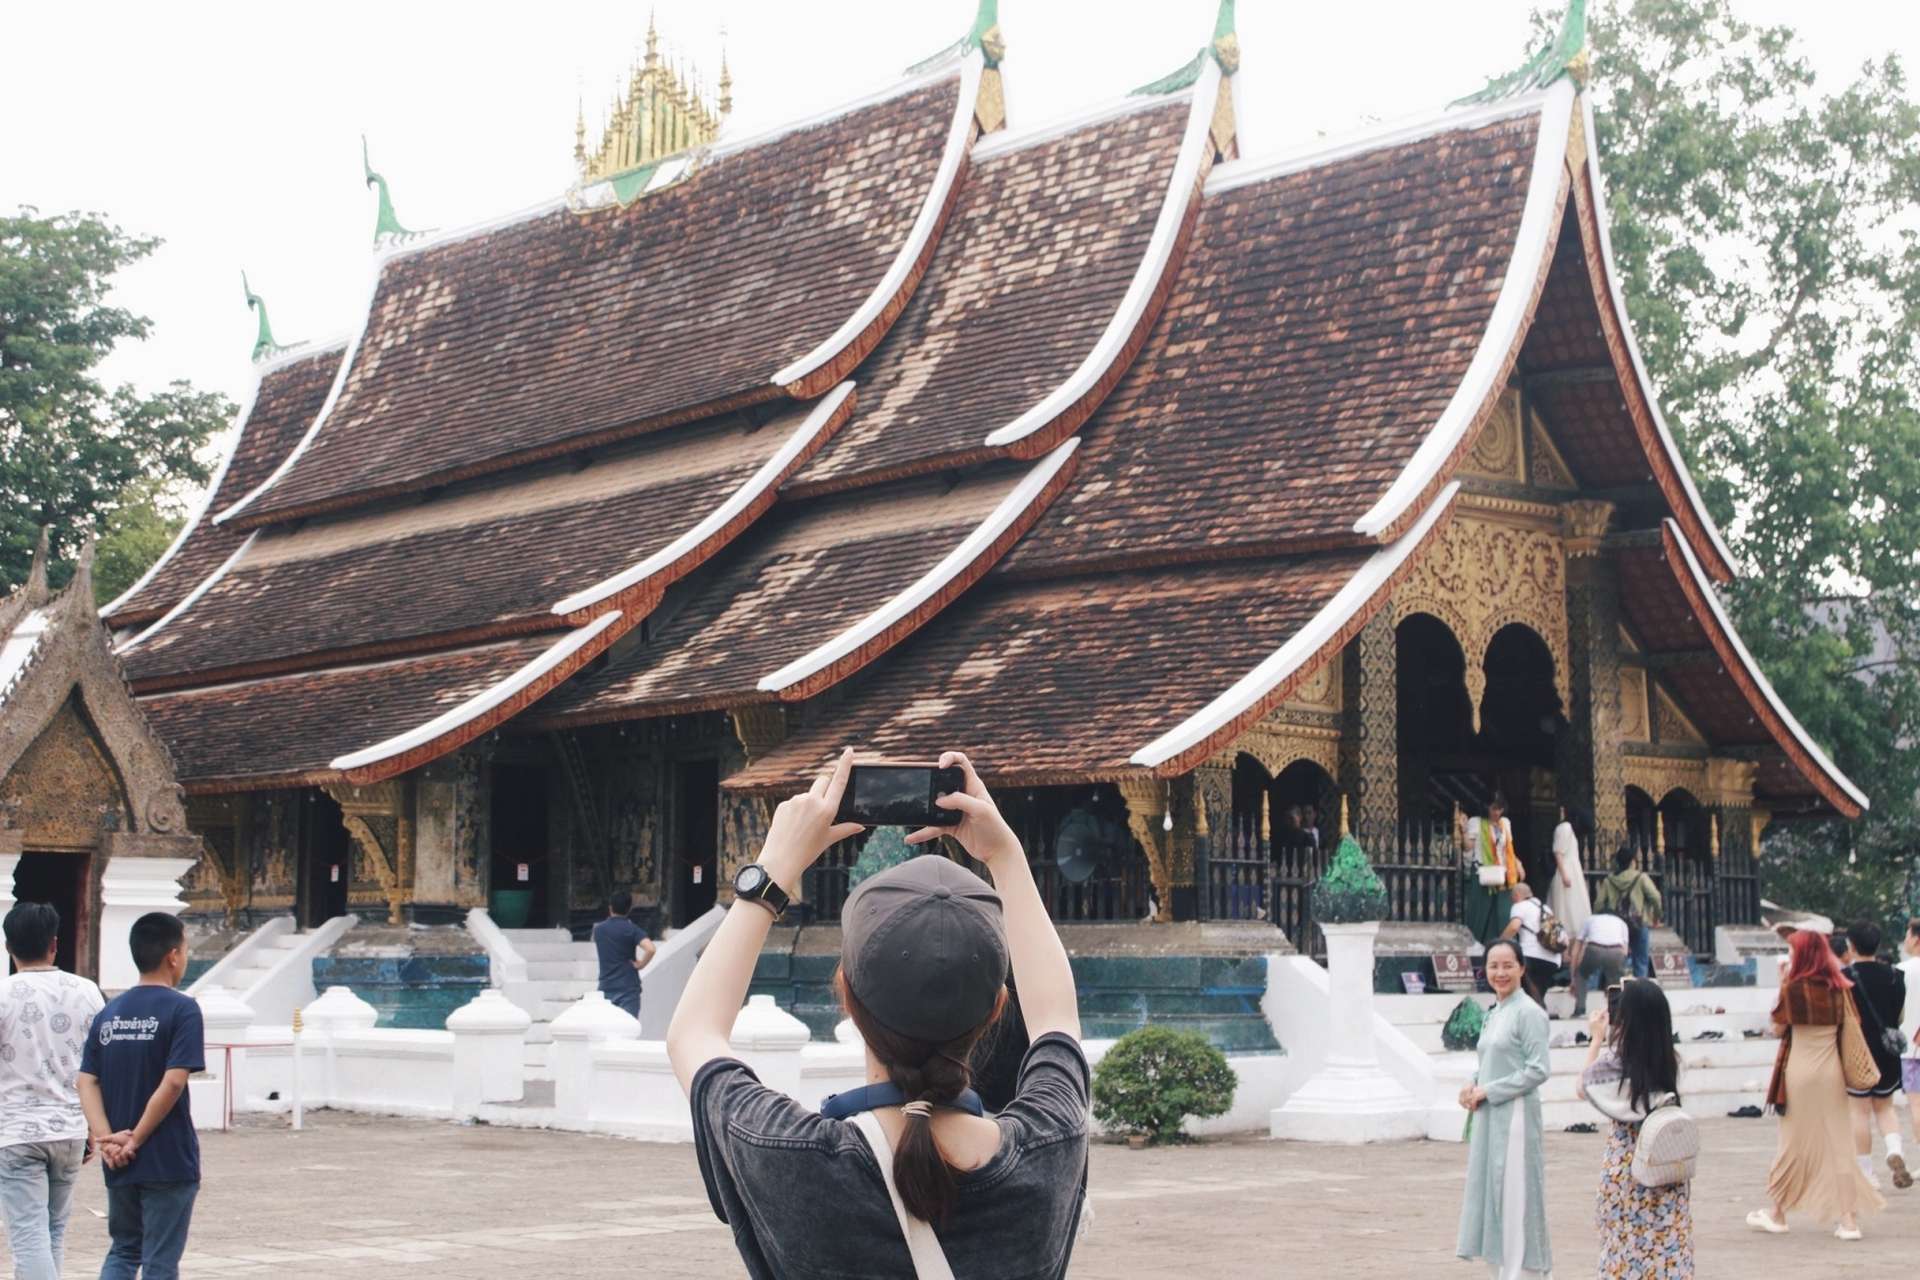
[
  {"x": 624, "y": 949},
  {"x": 1881, "y": 992}
]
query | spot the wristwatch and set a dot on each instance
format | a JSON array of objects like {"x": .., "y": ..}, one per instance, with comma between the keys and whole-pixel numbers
[{"x": 752, "y": 884}]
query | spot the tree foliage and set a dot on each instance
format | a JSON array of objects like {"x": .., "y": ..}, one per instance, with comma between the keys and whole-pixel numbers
[
  {"x": 71, "y": 449},
  {"x": 139, "y": 530},
  {"x": 1768, "y": 244}
]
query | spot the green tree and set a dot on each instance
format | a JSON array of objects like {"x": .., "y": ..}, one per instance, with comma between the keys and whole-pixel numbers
[
  {"x": 70, "y": 448},
  {"x": 139, "y": 530},
  {"x": 1765, "y": 237}
]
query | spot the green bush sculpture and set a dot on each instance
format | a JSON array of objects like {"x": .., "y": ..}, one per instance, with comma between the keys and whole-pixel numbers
[
  {"x": 1153, "y": 1079},
  {"x": 1462, "y": 1031},
  {"x": 1349, "y": 893},
  {"x": 886, "y": 847}
]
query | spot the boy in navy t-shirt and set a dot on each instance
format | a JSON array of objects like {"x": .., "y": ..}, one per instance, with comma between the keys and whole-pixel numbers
[{"x": 133, "y": 1086}]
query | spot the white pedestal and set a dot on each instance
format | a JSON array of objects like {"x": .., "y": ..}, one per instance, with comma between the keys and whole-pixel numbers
[
  {"x": 1350, "y": 1099},
  {"x": 489, "y": 1051},
  {"x": 130, "y": 888},
  {"x": 592, "y": 1020}
]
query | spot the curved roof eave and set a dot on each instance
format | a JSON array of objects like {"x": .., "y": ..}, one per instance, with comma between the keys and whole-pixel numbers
[
  {"x": 1074, "y": 400},
  {"x": 893, "y": 621},
  {"x": 1834, "y": 786},
  {"x": 860, "y": 332},
  {"x": 1519, "y": 290},
  {"x": 459, "y": 725},
  {"x": 1699, "y": 528},
  {"x": 1204, "y": 732},
  {"x": 204, "y": 510}
]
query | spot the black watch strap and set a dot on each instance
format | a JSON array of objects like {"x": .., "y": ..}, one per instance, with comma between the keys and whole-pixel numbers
[{"x": 767, "y": 893}]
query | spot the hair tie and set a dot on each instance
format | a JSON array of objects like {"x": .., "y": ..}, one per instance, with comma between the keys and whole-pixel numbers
[{"x": 919, "y": 1107}]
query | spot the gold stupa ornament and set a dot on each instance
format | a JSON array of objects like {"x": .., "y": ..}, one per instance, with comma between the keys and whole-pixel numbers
[{"x": 662, "y": 110}]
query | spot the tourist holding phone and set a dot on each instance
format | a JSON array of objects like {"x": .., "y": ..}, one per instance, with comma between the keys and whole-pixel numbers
[{"x": 905, "y": 1177}]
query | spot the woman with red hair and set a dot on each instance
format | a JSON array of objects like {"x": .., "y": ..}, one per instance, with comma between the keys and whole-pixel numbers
[{"x": 1814, "y": 1170}]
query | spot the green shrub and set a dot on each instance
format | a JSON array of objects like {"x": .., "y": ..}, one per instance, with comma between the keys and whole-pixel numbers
[
  {"x": 1463, "y": 1026},
  {"x": 1154, "y": 1078},
  {"x": 1349, "y": 892}
]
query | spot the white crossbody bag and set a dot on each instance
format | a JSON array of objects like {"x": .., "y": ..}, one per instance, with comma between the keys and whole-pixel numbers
[{"x": 929, "y": 1259}]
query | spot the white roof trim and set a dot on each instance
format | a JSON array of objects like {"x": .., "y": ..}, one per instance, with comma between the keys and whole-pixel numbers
[
  {"x": 1633, "y": 347},
  {"x": 295, "y": 354},
  {"x": 725, "y": 146},
  {"x": 895, "y": 279},
  {"x": 715, "y": 520},
  {"x": 1194, "y": 146},
  {"x": 1319, "y": 152},
  {"x": 480, "y": 703},
  {"x": 326, "y": 407},
  {"x": 200, "y": 512},
  {"x": 1531, "y": 245},
  {"x": 932, "y": 581},
  {"x": 19, "y": 648},
  {"x": 192, "y": 597},
  {"x": 1812, "y": 748},
  {"x": 1302, "y": 645},
  {"x": 1007, "y": 140}
]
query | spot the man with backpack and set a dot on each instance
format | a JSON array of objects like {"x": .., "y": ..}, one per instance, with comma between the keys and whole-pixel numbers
[
  {"x": 1541, "y": 937},
  {"x": 1631, "y": 894}
]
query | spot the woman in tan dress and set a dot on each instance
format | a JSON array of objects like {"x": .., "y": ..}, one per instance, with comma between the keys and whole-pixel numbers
[{"x": 1814, "y": 1171}]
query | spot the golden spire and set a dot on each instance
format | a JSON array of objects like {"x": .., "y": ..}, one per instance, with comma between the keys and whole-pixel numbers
[
  {"x": 658, "y": 108},
  {"x": 580, "y": 133}
]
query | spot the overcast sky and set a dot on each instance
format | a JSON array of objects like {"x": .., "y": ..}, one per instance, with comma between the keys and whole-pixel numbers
[{"x": 232, "y": 131}]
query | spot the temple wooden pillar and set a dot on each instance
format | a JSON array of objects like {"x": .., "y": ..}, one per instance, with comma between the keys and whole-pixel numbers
[
  {"x": 1370, "y": 737},
  {"x": 1589, "y": 751}
]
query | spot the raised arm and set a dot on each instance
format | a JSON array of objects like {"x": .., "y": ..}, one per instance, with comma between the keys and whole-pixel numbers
[
  {"x": 803, "y": 828},
  {"x": 1040, "y": 968}
]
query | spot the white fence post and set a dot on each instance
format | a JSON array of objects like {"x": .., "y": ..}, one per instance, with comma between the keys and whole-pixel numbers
[{"x": 489, "y": 1051}]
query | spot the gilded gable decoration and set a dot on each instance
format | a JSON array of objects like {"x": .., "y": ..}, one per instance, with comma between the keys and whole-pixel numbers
[
  {"x": 1496, "y": 453},
  {"x": 1660, "y": 776},
  {"x": 1546, "y": 469},
  {"x": 1494, "y": 564},
  {"x": 1670, "y": 723}
]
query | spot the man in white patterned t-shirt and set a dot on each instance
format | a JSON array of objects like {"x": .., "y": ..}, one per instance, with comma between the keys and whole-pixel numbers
[{"x": 45, "y": 1015}]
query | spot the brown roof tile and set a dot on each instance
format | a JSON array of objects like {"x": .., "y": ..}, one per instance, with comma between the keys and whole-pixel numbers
[
  {"x": 567, "y": 327},
  {"x": 284, "y": 405},
  {"x": 1321, "y": 324},
  {"x": 475, "y": 559},
  {"x": 290, "y": 727},
  {"x": 1040, "y": 249},
  {"x": 776, "y": 594},
  {"x": 1066, "y": 678}
]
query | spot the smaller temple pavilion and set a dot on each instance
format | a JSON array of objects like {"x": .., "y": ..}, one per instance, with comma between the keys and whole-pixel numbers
[
  {"x": 91, "y": 819},
  {"x": 1185, "y": 489}
]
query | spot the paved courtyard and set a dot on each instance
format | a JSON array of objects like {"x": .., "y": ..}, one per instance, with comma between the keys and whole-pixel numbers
[{"x": 362, "y": 1196}]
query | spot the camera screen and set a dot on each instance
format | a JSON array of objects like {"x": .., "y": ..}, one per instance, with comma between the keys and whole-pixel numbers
[{"x": 891, "y": 796}]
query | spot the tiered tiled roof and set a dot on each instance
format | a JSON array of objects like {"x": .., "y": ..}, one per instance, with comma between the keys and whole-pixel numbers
[
  {"x": 570, "y": 329},
  {"x": 288, "y": 394},
  {"x": 1184, "y": 424}
]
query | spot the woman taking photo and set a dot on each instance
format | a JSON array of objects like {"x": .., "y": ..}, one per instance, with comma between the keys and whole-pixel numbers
[
  {"x": 1814, "y": 1170},
  {"x": 1632, "y": 1069},
  {"x": 914, "y": 1181},
  {"x": 1504, "y": 1217}
]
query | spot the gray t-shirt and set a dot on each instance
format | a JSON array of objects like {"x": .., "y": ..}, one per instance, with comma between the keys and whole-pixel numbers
[{"x": 806, "y": 1200}]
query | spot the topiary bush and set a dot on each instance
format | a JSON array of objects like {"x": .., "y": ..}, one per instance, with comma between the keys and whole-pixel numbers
[
  {"x": 1349, "y": 892},
  {"x": 1463, "y": 1026},
  {"x": 1154, "y": 1078},
  {"x": 886, "y": 848}
]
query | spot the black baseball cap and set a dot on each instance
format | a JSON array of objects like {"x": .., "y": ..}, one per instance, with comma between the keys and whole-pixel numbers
[{"x": 924, "y": 948}]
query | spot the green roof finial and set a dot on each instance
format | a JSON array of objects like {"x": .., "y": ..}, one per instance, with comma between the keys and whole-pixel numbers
[
  {"x": 387, "y": 230},
  {"x": 263, "y": 343},
  {"x": 1566, "y": 55},
  {"x": 983, "y": 35},
  {"x": 1224, "y": 50}
]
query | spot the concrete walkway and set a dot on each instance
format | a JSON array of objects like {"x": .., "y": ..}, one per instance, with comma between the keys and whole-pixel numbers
[{"x": 362, "y": 1196}]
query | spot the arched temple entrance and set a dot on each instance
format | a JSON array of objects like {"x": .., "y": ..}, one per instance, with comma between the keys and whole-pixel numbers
[{"x": 1673, "y": 840}]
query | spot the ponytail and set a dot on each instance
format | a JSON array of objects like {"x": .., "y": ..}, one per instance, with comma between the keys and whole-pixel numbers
[{"x": 934, "y": 1074}]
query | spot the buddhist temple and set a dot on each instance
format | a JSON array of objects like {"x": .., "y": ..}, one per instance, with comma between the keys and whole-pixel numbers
[
  {"x": 91, "y": 819},
  {"x": 1182, "y": 488}
]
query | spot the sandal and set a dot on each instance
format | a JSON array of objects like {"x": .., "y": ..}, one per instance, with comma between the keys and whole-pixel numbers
[
  {"x": 1761, "y": 1220},
  {"x": 1901, "y": 1178},
  {"x": 1847, "y": 1233},
  {"x": 1748, "y": 1112},
  {"x": 1583, "y": 1126}
]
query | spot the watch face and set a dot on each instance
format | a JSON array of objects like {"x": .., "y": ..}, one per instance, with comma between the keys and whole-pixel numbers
[{"x": 750, "y": 879}]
